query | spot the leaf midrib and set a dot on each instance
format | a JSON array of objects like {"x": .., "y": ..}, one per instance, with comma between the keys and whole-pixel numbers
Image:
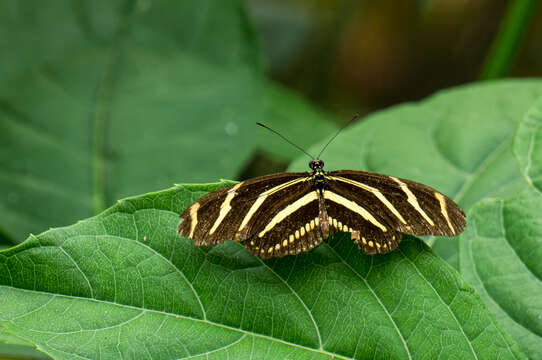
[{"x": 375, "y": 296}]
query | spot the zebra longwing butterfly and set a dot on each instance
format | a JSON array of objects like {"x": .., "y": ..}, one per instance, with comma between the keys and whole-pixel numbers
[{"x": 289, "y": 213}]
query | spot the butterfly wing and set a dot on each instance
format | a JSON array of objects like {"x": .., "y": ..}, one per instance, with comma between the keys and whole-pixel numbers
[
  {"x": 368, "y": 229},
  {"x": 288, "y": 224},
  {"x": 239, "y": 211},
  {"x": 398, "y": 204}
]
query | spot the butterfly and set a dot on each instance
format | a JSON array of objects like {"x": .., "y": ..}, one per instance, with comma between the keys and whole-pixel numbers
[{"x": 293, "y": 212}]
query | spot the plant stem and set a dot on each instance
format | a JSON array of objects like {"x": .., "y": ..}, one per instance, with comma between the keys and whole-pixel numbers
[{"x": 508, "y": 39}]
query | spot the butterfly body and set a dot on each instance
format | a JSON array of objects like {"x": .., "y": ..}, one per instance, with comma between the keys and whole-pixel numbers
[{"x": 289, "y": 213}]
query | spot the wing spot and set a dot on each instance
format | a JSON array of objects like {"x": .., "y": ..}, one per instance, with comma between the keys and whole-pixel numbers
[
  {"x": 385, "y": 245},
  {"x": 291, "y": 238},
  {"x": 302, "y": 231},
  {"x": 354, "y": 235},
  {"x": 335, "y": 223},
  {"x": 252, "y": 243},
  {"x": 371, "y": 244},
  {"x": 297, "y": 234},
  {"x": 317, "y": 221},
  {"x": 277, "y": 247},
  {"x": 312, "y": 224},
  {"x": 262, "y": 251},
  {"x": 307, "y": 227},
  {"x": 270, "y": 250},
  {"x": 363, "y": 240},
  {"x": 377, "y": 245},
  {"x": 285, "y": 243}
]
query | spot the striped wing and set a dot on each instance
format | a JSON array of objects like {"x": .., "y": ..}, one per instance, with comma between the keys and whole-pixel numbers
[
  {"x": 398, "y": 205},
  {"x": 240, "y": 212},
  {"x": 288, "y": 225},
  {"x": 368, "y": 230}
]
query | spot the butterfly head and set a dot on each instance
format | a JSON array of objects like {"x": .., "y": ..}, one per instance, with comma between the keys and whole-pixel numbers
[{"x": 316, "y": 165}]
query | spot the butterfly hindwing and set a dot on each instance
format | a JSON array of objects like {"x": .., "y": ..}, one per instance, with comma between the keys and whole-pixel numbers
[
  {"x": 407, "y": 206},
  {"x": 290, "y": 227},
  {"x": 370, "y": 231}
]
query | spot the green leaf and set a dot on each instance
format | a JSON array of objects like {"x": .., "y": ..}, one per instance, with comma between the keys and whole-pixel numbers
[
  {"x": 124, "y": 284},
  {"x": 115, "y": 98},
  {"x": 500, "y": 251},
  {"x": 12, "y": 347},
  {"x": 14, "y": 352},
  {"x": 528, "y": 146},
  {"x": 458, "y": 141}
]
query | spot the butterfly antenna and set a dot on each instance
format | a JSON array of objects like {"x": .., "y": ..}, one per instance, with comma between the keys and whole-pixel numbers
[
  {"x": 337, "y": 133},
  {"x": 285, "y": 139}
]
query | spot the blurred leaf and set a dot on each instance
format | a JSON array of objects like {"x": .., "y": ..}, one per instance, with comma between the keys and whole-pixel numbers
[
  {"x": 287, "y": 112},
  {"x": 12, "y": 347},
  {"x": 500, "y": 251},
  {"x": 508, "y": 39},
  {"x": 212, "y": 30},
  {"x": 19, "y": 352},
  {"x": 458, "y": 141},
  {"x": 528, "y": 146},
  {"x": 123, "y": 284},
  {"x": 118, "y": 95}
]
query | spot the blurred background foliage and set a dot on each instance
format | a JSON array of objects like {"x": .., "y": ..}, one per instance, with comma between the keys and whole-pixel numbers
[{"x": 360, "y": 56}]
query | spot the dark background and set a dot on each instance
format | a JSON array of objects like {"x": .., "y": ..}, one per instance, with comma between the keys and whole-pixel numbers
[{"x": 360, "y": 56}]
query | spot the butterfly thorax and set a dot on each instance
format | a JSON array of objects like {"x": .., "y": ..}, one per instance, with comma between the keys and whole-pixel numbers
[{"x": 318, "y": 174}]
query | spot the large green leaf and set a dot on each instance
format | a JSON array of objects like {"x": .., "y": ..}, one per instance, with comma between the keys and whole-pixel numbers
[
  {"x": 458, "y": 141},
  {"x": 107, "y": 99},
  {"x": 501, "y": 250},
  {"x": 123, "y": 284}
]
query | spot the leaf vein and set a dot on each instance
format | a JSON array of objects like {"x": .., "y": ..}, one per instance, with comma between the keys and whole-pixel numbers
[{"x": 376, "y": 297}]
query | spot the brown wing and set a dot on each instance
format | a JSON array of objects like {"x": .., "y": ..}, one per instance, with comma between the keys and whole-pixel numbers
[
  {"x": 368, "y": 230},
  {"x": 290, "y": 225},
  {"x": 404, "y": 205},
  {"x": 231, "y": 213}
]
